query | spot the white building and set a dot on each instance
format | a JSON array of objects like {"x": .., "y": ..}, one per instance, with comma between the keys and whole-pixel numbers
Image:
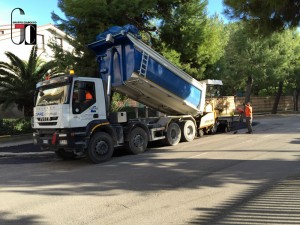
[{"x": 45, "y": 35}]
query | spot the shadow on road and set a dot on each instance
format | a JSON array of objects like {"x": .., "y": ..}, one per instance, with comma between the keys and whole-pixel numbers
[
  {"x": 147, "y": 173},
  {"x": 127, "y": 172},
  {"x": 295, "y": 141},
  {"x": 6, "y": 218},
  {"x": 274, "y": 203},
  {"x": 270, "y": 203}
]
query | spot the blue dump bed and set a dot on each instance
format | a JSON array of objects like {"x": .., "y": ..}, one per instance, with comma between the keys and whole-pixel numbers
[{"x": 136, "y": 70}]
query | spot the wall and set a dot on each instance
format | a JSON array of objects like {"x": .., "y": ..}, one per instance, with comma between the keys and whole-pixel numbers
[
  {"x": 259, "y": 104},
  {"x": 265, "y": 104}
]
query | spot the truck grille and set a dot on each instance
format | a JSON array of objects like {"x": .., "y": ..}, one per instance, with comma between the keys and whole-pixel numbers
[{"x": 47, "y": 121}]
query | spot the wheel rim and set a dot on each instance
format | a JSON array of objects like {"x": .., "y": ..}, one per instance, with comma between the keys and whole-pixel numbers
[
  {"x": 190, "y": 130},
  {"x": 101, "y": 148},
  {"x": 138, "y": 141},
  {"x": 173, "y": 134}
]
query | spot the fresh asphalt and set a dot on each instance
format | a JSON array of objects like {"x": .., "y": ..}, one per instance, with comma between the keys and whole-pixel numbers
[{"x": 218, "y": 179}]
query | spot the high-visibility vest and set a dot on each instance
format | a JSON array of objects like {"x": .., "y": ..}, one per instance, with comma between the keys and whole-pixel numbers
[
  {"x": 248, "y": 111},
  {"x": 88, "y": 95}
]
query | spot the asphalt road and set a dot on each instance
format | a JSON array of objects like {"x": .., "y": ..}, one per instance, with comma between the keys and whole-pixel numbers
[{"x": 219, "y": 179}]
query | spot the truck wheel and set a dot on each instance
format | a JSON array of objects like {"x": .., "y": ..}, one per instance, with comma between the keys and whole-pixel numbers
[
  {"x": 226, "y": 129},
  {"x": 138, "y": 141},
  {"x": 100, "y": 148},
  {"x": 62, "y": 154},
  {"x": 201, "y": 133},
  {"x": 173, "y": 134},
  {"x": 188, "y": 130},
  {"x": 213, "y": 130}
]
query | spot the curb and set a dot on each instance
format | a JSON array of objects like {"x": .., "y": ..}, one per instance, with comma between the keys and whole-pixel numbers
[{"x": 14, "y": 140}]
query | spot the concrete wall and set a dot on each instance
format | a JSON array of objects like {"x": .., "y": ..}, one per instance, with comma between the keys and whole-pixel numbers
[
  {"x": 259, "y": 104},
  {"x": 265, "y": 104}
]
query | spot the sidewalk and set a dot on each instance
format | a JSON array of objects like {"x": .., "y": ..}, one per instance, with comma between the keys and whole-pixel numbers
[{"x": 15, "y": 140}]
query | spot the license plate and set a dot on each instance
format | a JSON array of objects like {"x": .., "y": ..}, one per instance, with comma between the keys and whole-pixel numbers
[{"x": 45, "y": 142}]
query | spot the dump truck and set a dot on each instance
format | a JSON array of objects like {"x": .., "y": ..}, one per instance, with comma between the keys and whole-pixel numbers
[{"x": 72, "y": 113}]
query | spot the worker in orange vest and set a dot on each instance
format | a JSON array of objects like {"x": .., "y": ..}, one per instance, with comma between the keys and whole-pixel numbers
[
  {"x": 249, "y": 117},
  {"x": 88, "y": 95}
]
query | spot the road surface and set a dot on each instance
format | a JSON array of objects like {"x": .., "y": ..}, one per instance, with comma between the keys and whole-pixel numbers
[{"x": 218, "y": 179}]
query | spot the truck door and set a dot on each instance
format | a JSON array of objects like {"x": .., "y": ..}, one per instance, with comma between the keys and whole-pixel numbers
[
  {"x": 83, "y": 105},
  {"x": 88, "y": 102},
  {"x": 84, "y": 96}
]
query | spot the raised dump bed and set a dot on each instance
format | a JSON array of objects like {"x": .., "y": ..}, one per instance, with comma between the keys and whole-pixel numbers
[{"x": 136, "y": 70}]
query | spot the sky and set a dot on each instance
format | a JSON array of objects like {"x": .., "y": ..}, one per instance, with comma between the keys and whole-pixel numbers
[
  {"x": 39, "y": 11},
  {"x": 216, "y": 6}
]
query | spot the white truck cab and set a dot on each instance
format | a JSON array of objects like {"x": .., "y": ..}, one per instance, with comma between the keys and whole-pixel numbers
[
  {"x": 67, "y": 110},
  {"x": 68, "y": 102}
]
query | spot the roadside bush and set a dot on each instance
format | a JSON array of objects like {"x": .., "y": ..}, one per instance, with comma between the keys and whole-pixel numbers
[{"x": 15, "y": 126}]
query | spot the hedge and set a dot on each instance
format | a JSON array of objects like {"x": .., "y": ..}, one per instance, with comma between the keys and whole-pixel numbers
[{"x": 15, "y": 126}]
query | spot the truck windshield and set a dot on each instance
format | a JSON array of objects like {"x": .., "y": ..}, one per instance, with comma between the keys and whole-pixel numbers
[{"x": 52, "y": 95}]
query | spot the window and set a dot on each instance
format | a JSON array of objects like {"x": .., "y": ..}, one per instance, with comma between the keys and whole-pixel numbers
[
  {"x": 1, "y": 32},
  {"x": 52, "y": 95},
  {"x": 40, "y": 41},
  {"x": 83, "y": 96}
]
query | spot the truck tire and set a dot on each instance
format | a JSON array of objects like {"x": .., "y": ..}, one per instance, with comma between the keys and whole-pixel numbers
[
  {"x": 227, "y": 129},
  {"x": 173, "y": 134},
  {"x": 214, "y": 129},
  {"x": 62, "y": 154},
  {"x": 201, "y": 132},
  {"x": 188, "y": 130},
  {"x": 137, "y": 141},
  {"x": 100, "y": 148}
]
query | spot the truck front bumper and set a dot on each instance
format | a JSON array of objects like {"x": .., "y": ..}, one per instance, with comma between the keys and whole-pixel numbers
[{"x": 56, "y": 140}]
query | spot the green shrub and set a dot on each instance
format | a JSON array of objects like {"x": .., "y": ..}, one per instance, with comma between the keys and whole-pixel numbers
[{"x": 15, "y": 126}]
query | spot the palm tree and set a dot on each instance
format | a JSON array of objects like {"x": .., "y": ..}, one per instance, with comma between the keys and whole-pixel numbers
[{"x": 18, "y": 79}]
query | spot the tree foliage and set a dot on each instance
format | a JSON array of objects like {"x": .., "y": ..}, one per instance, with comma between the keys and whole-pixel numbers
[
  {"x": 260, "y": 65},
  {"x": 85, "y": 19},
  {"x": 216, "y": 37},
  {"x": 18, "y": 80},
  {"x": 198, "y": 39},
  {"x": 180, "y": 26},
  {"x": 267, "y": 16},
  {"x": 203, "y": 47},
  {"x": 183, "y": 30}
]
